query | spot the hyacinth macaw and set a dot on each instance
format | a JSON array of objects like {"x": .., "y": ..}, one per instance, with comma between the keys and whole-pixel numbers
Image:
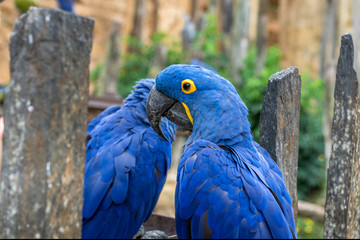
[
  {"x": 66, "y": 5},
  {"x": 125, "y": 167},
  {"x": 227, "y": 185}
]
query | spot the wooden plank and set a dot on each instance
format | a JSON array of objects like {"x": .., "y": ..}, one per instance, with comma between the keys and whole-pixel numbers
[
  {"x": 161, "y": 222},
  {"x": 279, "y": 125},
  {"x": 342, "y": 208},
  {"x": 45, "y": 110}
]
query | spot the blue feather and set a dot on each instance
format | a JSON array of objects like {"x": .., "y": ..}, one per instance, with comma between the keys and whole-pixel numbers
[
  {"x": 125, "y": 167},
  {"x": 94, "y": 196},
  {"x": 124, "y": 163},
  {"x": 120, "y": 188},
  {"x": 107, "y": 166},
  {"x": 66, "y": 5}
]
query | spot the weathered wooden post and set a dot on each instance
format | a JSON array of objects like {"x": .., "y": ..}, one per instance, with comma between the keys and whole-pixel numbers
[
  {"x": 139, "y": 19},
  {"x": 109, "y": 75},
  {"x": 45, "y": 114},
  {"x": 188, "y": 35},
  {"x": 279, "y": 125},
  {"x": 342, "y": 207},
  {"x": 239, "y": 37},
  {"x": 261, "y": 34}
]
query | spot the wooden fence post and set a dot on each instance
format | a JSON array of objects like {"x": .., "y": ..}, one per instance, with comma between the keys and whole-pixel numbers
[
  {"x": 342, "y": 207},
  {"x": 188, "y": 34},
  {"x": 279, "y": 125},
  {"x": 45, "y": 110},
  {"x": 139, "y": 18},
  {"x": 109, "y": 74},
  {"x": 261, "y": 34},
  {"x": 239, "y": 37}
]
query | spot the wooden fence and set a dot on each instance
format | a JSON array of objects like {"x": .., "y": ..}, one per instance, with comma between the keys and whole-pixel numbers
[
  {"x": 45, "y": 110},
  {"x": 342, "y": 208},
  {"x": 45, "y": 123}
]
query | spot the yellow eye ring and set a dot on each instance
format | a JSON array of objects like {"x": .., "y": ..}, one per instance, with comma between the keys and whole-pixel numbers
[{"x": 188, "y": 86}]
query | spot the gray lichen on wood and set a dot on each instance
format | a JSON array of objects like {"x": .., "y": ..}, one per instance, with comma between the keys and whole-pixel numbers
[
  {"x": 279, "y": 125},
  {"x": 342, "y": 208},
  {"x": 45, "y": 113}
]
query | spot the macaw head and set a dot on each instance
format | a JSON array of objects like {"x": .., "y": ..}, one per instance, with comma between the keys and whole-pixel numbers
[{"x": 212, "y": 106}]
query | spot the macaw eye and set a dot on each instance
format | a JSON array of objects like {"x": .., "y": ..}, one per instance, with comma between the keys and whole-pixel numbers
[{"x": 188, "y": 86}]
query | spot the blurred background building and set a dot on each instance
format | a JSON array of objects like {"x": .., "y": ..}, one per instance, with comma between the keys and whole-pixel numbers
[{"x": 297, "y": 26}]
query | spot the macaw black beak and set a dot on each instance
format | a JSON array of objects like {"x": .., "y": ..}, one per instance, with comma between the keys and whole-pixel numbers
[{"x": 160, "y": 105}]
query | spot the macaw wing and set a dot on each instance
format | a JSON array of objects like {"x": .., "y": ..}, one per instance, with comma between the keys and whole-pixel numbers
[
  {"x": 218, "y": 198},
  {"x": 123, "y": 183},
  {"x": 275, "y": 180},
  {"x": 94, "y": 122},
  {"x": 96, "y": 131},
  {"x": 110, "y": 167}
]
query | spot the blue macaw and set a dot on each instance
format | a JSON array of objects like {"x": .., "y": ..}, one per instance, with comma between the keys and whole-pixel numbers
[
  {"x": 227, "y": 185},
  {"x": 66, "y": 5},
  {"x": 125, "y": 167}
]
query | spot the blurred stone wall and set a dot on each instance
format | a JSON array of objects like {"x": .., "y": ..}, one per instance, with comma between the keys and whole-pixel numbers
[
  {"x": 295, "y": 25},
  {"x": 170, "y": 20},
  {"x": 300, "y": 29}
]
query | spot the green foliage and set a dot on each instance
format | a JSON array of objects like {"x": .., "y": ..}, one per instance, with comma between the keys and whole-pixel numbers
[
  {"x": 312, "y": 163},
  {"x": 24, "y": 5},
  {"x": 309, "y": 229},
  {"x": 253, "y": 88},
  {"x": 94, "y": 76},
  {"x": 175, "y": 55},
  {"x": 311, "y": 171},
  {"x": 206, "y": 45},
  {"x": 135, "y": 65},
  {"x": 137, "y": 62}
]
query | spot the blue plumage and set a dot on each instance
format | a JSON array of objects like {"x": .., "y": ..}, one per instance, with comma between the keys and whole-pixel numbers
[
  {"x": 126, "y": 167},
  {"x": 66, "y": 5},
  {"x": 227, "y": 185}
]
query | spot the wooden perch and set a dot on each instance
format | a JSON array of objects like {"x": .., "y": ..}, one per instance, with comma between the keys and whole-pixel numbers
[
  {"x": 45, "y": 113},
  {"x": 279, "y": 125},
  {"x": 342, "y": 208}
]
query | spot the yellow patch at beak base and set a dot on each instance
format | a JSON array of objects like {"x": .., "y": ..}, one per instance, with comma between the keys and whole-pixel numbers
[{"x": 187, "y": 112}]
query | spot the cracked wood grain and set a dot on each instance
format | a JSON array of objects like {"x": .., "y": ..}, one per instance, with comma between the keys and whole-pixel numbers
[
  {"x": 279, "y": 125},
  {"x": 342, "y": 208}
]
